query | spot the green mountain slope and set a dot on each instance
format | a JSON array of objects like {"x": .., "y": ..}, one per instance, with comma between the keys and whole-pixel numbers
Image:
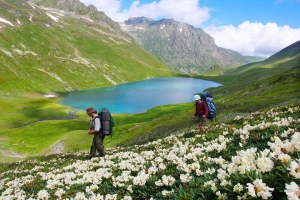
[
  {"x": 282, "y": 60},
  {"x": 51, "y": 51}
]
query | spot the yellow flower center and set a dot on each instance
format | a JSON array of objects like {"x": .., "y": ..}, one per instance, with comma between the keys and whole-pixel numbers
[{"x": 258, "y": 189}]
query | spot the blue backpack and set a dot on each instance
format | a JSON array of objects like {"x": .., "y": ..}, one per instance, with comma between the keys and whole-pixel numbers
[{"x": 208, "y": 99}]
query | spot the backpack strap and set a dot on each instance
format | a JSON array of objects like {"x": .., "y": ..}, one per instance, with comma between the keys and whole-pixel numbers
[{"x": 100, "y": 122}]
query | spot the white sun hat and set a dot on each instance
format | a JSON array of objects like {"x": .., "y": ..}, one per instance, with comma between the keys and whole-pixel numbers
[{"x": 196, "y": 97}]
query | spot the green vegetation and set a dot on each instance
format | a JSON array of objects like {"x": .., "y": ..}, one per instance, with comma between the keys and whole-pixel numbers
[
  {"x": 40, "y": 55},
  {"x": 32, "y": 125},
  {"x": 35, "y": 126},
  {"x": 254, "y": 156},
  {"x": 258, "y": 101}
]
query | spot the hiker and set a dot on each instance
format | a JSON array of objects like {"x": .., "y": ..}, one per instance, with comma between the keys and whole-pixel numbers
[
  {"x": 95, "y": 130},
  {"x": 201, "y": 110}
]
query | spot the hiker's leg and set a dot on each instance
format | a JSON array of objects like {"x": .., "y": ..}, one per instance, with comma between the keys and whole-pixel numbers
[
  {"x": 200, "y": 124},
  {"x": 102, "y": 139},
  {"x": 99, "y": 144},
  {"x": 93, "y": 148},
  {"x": 203, "y": 124}
]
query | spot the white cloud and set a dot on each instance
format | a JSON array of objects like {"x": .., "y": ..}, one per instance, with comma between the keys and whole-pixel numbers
[
  {"x": 110, "y": 7},
  {"x": 254, "y": 38},
  {"x": 188, "y": 11}
]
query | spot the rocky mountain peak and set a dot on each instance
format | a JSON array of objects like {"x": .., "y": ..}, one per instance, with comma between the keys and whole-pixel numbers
[{"x": 183, "y": 47}]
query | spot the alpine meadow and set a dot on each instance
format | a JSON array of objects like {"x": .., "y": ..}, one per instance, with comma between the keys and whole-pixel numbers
[{"x": 49, "y": 48}]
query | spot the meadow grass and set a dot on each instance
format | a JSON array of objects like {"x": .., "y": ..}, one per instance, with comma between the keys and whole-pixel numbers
[
  {"x": 34, "y": 126},
  {"x": 249, "y": 157}
]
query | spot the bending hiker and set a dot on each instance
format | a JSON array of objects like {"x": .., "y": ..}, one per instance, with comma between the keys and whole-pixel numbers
[
  {"x": 95, "y": 130},
  {"x": 201, "y": 111}
]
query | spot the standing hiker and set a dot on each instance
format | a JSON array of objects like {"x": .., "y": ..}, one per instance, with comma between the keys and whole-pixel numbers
[
  {"x": 201, "y": 110},
  {"x": 95, "y": 130}
]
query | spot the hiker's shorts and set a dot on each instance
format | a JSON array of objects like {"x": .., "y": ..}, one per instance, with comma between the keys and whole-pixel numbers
[{"x": 202, "y": 121}]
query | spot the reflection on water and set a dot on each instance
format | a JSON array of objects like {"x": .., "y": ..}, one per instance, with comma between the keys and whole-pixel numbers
[{"x": 139, "y": 96}]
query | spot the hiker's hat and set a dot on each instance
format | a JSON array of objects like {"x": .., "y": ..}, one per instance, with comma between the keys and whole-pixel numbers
[
  {"x": 196, "y": 97},
  {"x": 90, "y": 110}
]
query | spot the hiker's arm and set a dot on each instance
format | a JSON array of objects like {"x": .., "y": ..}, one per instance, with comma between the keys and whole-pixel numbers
[
  {"x": 196, "y": 111},
  {"x": 90, "y": 132},
  {"x": 97, "y": 127}
]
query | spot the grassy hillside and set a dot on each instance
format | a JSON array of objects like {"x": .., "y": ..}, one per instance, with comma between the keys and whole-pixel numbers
[
  {"x": 50, "y": 51},
  {"x": 254, "y": 156},
  {"x": 284, "y": 59},
  {"x": 55, "y": 130}
]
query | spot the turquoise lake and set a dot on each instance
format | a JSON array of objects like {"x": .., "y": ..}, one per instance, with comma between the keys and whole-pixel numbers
[{"x": 138, "y": 97}]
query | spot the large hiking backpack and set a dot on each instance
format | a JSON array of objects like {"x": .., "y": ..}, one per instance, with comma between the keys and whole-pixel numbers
[
  {"x": 107, "y": 121},
  {"x": 208, "y": 99}
]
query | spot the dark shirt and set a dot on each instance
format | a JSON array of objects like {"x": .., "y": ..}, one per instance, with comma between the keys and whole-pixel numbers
[{"x": 201, "y": 109}]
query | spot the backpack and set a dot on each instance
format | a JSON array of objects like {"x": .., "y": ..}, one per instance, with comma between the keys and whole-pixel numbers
[
  {"x": 208, "y": 99},
  {"x": 107, "y": 121}
]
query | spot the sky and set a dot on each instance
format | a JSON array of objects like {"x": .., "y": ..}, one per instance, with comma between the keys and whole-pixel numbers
[{"x": 250, "y": 27}]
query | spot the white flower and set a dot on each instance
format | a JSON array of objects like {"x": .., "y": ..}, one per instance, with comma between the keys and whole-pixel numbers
[
  {"x": 296, "y": 141},
  {"x": 259, "y": 189},
  {"x": 220, "y": 195},
  {"x": 264, "y": 164},
  {"x": 43, "y": 194},
  {"x": 292, "y": 191},
  {"x": 167, "y": 193},
  {"x": 238, "y": 188},
  {"x": 284, "y": 158},
  {"x": 152, "y": 170},
  {"x": 127, "y": 198},
  {"x": 295, "y": 169},
  {"x": 185, "y": 178},
  {"x": 213, "y": 187},
  {"x": 129, "y": 188},
  {"x": 80, "y": 196},
  {"x": 224, "y": 183},
  {"x": 139, "y": 180},
  {"x": 111, "y": 197},
  {"x": 159, "y": 183},
  {"x": 251, "y": 190},
  {"x": 244, "y": 197},
  {"x": 168, "y": 180},
  {"x": 59, "y": 192}
]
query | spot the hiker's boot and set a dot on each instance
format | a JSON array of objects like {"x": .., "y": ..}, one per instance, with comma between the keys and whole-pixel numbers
[
  {"x": 102, "y": 154},
  {"x": 90, "y": 157},
  {"x": 92, "y": 153}
]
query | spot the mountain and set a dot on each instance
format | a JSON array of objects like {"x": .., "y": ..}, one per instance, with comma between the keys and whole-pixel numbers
[
  {"x": 54, "y": 46},
  {"x": 286, "y": 58},
  {"x": 291, "y": 51},
  {"x": 183, "y": 47},
  {"x": 251, "y": 59}
]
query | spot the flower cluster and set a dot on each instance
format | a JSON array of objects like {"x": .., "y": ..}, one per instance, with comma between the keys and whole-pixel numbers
[{"x": 256, "y": 156}]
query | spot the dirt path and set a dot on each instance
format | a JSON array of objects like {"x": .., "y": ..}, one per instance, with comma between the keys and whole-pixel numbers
[
  {"x": 11, "y": 153},
  {"x": 57, "y": 148}
]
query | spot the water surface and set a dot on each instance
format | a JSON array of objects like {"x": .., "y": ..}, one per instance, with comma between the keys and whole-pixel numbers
[{"x": 138, "y": 97}]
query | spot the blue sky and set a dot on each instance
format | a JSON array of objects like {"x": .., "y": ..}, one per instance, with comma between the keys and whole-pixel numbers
[{"x": 251, "y": 27}]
